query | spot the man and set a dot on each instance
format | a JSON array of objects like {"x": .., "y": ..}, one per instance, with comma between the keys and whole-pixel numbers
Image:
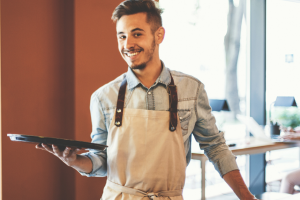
[{"x": 146, "y": 117}]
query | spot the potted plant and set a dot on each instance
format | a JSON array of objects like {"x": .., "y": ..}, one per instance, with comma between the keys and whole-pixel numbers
[{"x": 288, "y": 118}]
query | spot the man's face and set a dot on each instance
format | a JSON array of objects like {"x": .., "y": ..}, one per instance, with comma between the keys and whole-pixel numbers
[{"x": 135, "y": 40}]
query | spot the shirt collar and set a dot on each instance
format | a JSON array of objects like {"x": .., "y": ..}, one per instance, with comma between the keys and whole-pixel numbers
[{"x": 164, "y": 77}]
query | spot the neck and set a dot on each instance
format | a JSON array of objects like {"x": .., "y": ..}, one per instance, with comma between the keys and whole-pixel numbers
[{"x": 150, "y": 73}]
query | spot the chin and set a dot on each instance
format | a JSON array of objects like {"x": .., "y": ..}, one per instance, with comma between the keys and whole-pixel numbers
[{"x": 140, "y": 66}]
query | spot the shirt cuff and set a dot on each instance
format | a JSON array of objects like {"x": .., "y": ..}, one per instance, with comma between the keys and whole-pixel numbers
[
  {"x": 98, "y": 167},
  {"x": 226, "y": 164}
]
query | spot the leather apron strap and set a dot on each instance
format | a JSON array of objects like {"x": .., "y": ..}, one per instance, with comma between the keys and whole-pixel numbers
[
  {"x": 173, "y": 101},
  {"x": 150, "y": 195},
  {"x": 120, "y": 103}
]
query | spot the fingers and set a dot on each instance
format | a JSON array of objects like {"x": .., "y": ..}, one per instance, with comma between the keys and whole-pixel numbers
[
  {"x": 47, "y": 148},
  {"x": 44, "y": 147},
  {"x": 56, "y": 150},
  {"x": 39, "y": 146},
  {"x": 67, "y": 152},
  {"x": 67, "y": 155},
  {"x": 290, "y": 137},
  {"x": 50, "y": 148}
]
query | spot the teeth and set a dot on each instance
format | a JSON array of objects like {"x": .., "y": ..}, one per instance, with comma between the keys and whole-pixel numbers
[{"x": 132, "y": 54}]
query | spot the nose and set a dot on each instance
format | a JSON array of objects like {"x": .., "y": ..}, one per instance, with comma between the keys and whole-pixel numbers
[{"x": 129, "y": 43}]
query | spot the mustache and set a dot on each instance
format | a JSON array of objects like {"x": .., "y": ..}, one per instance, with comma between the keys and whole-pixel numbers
[{"x": 132, "y": 50}]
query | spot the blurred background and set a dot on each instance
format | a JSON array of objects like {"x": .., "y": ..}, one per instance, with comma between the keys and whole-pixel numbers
[{"x": 212, "y": 40}]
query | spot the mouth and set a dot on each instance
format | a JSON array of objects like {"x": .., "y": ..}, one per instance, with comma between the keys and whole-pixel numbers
[{"x": 133, "y": 53}]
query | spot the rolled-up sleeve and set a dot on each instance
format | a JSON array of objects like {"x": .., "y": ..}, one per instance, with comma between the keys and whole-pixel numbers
[
  {"x": 98, "y": 135},
  {"x": 210, "y": 139}
]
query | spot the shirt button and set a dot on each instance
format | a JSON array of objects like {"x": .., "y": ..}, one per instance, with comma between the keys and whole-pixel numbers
[{"x": 149, "y": 93}]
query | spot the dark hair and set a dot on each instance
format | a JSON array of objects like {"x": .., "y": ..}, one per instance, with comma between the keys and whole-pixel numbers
[{"x": 129, "y": 7}]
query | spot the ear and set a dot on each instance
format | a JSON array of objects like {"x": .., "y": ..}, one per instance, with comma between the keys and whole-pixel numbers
[{"x": 159, "y": 35}]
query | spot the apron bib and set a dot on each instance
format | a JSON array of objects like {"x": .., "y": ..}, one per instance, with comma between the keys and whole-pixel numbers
[{"x": 145, "y": 156}]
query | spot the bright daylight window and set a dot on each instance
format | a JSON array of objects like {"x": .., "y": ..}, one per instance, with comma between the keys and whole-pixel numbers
[
  {"x": 208, "y": 40},
  {"x": 282, "y": 79}
]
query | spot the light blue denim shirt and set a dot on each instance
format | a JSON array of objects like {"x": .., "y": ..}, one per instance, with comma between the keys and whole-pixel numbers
[{"x": 193, "y": 110}]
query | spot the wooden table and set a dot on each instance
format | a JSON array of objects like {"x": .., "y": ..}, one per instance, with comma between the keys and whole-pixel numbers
[{"x": 243, "y": 147}]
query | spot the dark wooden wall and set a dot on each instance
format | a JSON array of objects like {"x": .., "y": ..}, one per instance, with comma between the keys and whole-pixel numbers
[{"x": 55, "y": 53}]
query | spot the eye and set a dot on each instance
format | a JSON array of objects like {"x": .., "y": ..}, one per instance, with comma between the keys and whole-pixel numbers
[
  {"x": 121, "y": 37},
  {"x": 137, "y": 34}
]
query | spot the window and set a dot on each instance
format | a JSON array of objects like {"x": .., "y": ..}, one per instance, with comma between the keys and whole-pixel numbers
[
  {"x": 208, "y": 40},
  {"x": 282, "y": 77}
]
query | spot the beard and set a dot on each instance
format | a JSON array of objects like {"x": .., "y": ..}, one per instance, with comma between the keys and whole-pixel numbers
[
  {"x": 140, "y": 66},
  {"x": 149, "y": 56}
]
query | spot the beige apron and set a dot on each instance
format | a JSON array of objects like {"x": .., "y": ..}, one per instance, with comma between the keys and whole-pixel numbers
[{"x": 145, "y": 159}]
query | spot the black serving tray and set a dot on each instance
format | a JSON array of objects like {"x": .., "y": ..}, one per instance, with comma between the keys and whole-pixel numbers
[{"x": 61, "y": 143}]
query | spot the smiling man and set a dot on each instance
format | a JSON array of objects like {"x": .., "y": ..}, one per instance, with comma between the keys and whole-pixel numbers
[
  {"x": 130, "y": 51},
  {"x": 147, "y": 117},
  {"x": 139, "y": 35}
]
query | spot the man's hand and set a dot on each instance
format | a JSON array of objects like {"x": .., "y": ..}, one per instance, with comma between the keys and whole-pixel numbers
[
  {"x": 291, "y": 136},
  {"x": 236, "y": 182},
  {"x": 69, "y": 156}
]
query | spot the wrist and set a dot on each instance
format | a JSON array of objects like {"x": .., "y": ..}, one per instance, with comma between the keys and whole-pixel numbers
[
  {"x": 82, "y": 164},
  {"x": 249, "y": 197},
  {"x": 75, "y": 162}
]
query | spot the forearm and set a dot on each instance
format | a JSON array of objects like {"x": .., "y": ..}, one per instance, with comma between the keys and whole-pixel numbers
[
  {"x": 236, "y": 182},
  {"x": 82, "y": 164}
]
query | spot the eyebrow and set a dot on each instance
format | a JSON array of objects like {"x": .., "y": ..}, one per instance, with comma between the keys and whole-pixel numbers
[{"x": 133, "y": 30}]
